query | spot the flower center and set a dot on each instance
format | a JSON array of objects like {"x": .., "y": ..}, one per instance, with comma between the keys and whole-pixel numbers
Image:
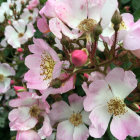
[
  {"x": 116, "y": 107},
  {"x": 87, "y": 25},
  {"x": 76, "y": 119},
  {"x": 122, "y": 26},
  {"x": 20, "y": 35},
  {"x": 30, "y": 18},
  {"x": 1, "y": 78},
  {"x": 47, "y": 66},
  {"x": 34, "y": 111}
]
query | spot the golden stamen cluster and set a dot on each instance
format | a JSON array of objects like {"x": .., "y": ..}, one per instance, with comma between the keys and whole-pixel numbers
[
  {"x": 76, "y": 119},
  {"x": 20, "y": 35},
  {"x": 1, "y": 78},
  {"x": 34, "y": 111},
  {"x": 87, "y": 25},
  {"x": 30, "y": 18},
  {"x": 116, "y": 107},
  {"x": 47, "y": 66},
  {"x": 122, "y": 26}
]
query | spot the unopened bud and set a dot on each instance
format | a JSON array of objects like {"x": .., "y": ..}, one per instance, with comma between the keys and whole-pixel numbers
[
  {"x": 127, "y": 8},
  {"x": 19, "y": 88},
  {"x": 116, "y": 18},
  {"x": 56, "y": 83},
  {"x": 12, "y": 82},
  {"x": 97, "y": 30},
  {"x": 20, "y": 50},
  {"x": 79, "y": 57}
]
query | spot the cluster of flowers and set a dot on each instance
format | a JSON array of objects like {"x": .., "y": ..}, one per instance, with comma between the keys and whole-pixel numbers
[{"x": 82, "y": 29}]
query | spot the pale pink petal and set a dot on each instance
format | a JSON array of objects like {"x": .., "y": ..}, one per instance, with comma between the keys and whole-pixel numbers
[
  {"x": 49, "y": 9},
  {"x": 10, "y": 35},
  {"x": 57, "y": 70},
  {"x": 100, "y": 119},
  {"x": 30, "y": 31},
  {"x": 76, "y": 102},
  {"x": 42, "y": 25},
  {"x": 65, "y": 131},
  {"x": 23, "y": 120},
  {"x": 124, "y": 125},
  {"x": 132, "y": 41},
  {"x": 19, "y": 25},
  {"x": 71, "y": 12},
  {"x": 6, "y": 70},
  {"x": 60, "y": 111},
  {"x": 108, "y": 10},
  {"x": 33, "y": 61},
  {"x": 128, "y": 19},
  {"x": 121, "y": 82},
  {"x": 25, "y": 135},
  {"x": 13, "y": 115},
  {"x": 35, "y": 49},
  {"x": 81, "y": 132},
  {"x": 57, "y": 27},
  {"x": 25, "y": 99},
  {"x": 94, "y": 9},
  {"x": 46, "y": 129},
  {"x": 98, "y": 94}
]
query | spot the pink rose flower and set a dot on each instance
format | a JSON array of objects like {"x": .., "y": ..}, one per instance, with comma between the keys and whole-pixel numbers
[
  {"x": 72, "y": 119},
  {"x": 18, "y": 33},
  {"x": 29, "y": 107},
  {"x": 105, "y": 99},
  {"x": 44, "y": 65},
  {"x": 74, "y": 14},
  {"x": 5, "y": 72}
]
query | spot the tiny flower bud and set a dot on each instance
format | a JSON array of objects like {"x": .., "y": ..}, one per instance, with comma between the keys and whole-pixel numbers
[
  {"x": 79, "y": 57},
  {"x": 97, "y": 30},
  {"x": 56, "y": 83},
  {"x": 20, "y": 50},
  {"x": 116, "y": 18},
  {"x": 12, "y": 82},
  {"x": 9, "y": 22},
  {"x": 127, "y": 8},
  {"x": 19, "y": 88},
  {"x": 86, "y": 75}
]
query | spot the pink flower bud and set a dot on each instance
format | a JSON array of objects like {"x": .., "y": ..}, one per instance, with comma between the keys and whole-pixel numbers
[
  {"x": 12, "y": 82},
  {"x": 20, "y": 50},
  {"x": 79, "y": 57},
  {"x": 9, "y": 22},
  {"x": 86, "y": 75},
  {"x": 127, "y": 8},
  {"x": 19, "y": 88}
]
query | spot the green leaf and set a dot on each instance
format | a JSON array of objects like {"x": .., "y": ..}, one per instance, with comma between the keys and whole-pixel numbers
[
  {"x": 125, "y": 1},
  {"x": 137, "y": 73},
  {"x": 43, "y": 1},
  {"x": 136, "y": 4},
  {"x": 21, "y": 70},
  {"x": 137, "y": 14}
]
